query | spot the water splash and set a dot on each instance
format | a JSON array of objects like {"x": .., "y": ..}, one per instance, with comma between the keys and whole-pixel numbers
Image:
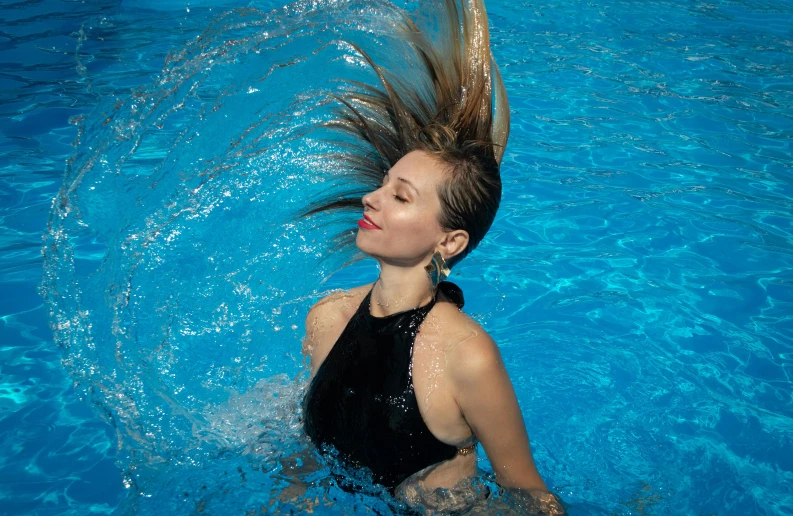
[{"x": 176, "y": 271}]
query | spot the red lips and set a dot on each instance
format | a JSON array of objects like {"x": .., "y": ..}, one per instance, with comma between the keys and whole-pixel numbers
[{"x": 366, "y": 223}]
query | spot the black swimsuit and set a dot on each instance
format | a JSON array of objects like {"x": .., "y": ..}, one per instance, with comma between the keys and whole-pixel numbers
[{"x": 362, "y": 400}]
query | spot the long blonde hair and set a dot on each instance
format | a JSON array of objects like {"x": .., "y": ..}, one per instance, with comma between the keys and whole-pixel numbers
[{"x": 446, "y": 109}]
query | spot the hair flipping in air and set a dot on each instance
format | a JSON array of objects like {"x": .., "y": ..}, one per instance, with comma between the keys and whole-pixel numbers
[{"x": 445, "y": 109}]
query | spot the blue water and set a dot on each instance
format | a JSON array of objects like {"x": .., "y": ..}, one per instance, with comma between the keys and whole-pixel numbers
[{"x": 638, "y": 278}]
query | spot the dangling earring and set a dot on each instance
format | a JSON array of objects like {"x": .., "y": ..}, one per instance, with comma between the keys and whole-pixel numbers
[{"x": 437, "y": 269}]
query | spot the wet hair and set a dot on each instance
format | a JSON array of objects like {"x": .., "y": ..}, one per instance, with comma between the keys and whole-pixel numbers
[
  {"x": 453, "y": 107},
  {"x": 470, "y": 192}
]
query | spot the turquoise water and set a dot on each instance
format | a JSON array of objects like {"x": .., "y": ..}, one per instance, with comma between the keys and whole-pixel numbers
[{"x": 638, "y": 278}]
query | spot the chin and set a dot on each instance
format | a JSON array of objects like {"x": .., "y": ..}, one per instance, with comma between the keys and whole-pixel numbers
[
  {"x": 360, "y": 243},
  {"x": 365, "y": 246}
]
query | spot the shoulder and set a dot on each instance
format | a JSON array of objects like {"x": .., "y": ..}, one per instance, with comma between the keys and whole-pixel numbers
[
  {"x": 339, "y": 303},
  {"x": 471, "y": 353},
  {"x": 478, "y": 379},
  {"x": 326, "y": 321}
]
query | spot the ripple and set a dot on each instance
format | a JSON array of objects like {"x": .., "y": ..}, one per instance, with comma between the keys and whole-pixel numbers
[{"x": 33, "y": 431}]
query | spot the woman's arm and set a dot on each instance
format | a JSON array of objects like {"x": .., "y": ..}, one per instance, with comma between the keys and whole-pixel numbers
[
  {"x": 484, "y": 393},
  {"x": 317, "y": 342}
]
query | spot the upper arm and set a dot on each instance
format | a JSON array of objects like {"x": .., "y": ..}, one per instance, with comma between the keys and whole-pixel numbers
[
  {"x": 487, "y": 400},
  {"x": 310, "y": 339},
  {"x": 319, "y": 325}
]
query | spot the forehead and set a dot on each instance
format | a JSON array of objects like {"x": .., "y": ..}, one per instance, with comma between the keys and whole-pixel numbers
[{"x": 421, "y": 169}]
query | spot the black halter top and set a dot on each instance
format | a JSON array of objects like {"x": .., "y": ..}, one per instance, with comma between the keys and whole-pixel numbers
[{"x": 362, "y": 400}]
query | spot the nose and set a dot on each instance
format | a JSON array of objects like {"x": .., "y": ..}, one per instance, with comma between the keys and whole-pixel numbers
[{"x": 370, "y": 200}]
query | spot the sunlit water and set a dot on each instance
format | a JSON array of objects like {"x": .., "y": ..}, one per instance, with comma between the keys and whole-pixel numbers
[{"x": 638, "y": 276}]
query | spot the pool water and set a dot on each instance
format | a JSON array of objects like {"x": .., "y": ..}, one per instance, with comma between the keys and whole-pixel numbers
[{"x": 638, "y": 278}]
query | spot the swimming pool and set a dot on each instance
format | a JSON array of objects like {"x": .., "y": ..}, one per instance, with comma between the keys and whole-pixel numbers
[{"x": 638, "y": 276}]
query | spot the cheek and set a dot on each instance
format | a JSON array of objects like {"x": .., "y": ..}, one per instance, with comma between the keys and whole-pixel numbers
[{"x": 418, "y": 227}]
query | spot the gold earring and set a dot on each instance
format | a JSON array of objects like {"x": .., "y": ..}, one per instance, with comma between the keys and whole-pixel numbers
[{"x": 437, "y": 269}]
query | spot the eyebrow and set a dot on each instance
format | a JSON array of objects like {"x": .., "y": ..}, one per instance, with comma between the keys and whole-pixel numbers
[{"x": 409, "y": 184}]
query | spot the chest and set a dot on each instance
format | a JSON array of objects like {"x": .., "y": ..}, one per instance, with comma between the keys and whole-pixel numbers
[{"x": 403, "y": 374}]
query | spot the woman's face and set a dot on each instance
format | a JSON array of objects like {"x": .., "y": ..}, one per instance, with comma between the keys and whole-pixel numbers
[{"x": 400, "y": 219}]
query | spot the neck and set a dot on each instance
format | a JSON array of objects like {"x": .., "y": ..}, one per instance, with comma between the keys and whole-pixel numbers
[{"x": 400, "y": 288}]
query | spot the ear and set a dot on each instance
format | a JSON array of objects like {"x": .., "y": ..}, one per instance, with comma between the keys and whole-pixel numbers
[{"x": 453, "y": 243}]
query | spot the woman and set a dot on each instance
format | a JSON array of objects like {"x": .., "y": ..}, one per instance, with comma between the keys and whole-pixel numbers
[{"x": 403, "y": 382}]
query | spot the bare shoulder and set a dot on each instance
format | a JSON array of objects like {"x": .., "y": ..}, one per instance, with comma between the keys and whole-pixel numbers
[
  {"x": 338, "y": 304},
  {"x": 326, "y": 320},
  {"x": 470, "y": 351}
]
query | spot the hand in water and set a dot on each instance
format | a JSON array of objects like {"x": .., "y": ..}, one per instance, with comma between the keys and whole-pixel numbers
[{"x": 294, "y": 470}]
